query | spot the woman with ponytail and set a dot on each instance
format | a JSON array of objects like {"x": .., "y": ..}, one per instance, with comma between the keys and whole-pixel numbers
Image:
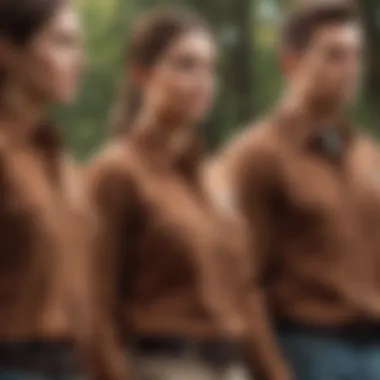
[{"x": 170, "y": 279}]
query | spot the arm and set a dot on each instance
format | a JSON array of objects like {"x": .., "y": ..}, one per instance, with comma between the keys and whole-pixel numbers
[
  {"x": 109, "y": 191},
  {"x": 254, "y": 179}
]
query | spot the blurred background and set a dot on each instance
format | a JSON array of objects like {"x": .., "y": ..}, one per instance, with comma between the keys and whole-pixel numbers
[{"x": 249, "y": 78}]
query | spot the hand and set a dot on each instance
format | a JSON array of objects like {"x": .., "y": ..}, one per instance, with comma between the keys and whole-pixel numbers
[
  {"x": 282, "y": 372},
  {"x": 277, "y": 372}
]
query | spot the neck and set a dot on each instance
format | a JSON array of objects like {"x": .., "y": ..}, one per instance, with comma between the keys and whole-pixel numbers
[
  {"x": 162, "y": 128},
  {"x": 307, "y": 105},
  {"x": 20, "y": 110}
]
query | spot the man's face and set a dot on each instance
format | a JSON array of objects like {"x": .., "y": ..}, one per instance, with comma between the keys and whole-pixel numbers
[{"x": 331, "y": 66}]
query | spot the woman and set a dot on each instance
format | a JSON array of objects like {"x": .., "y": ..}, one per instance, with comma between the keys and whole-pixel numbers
[
  {"x": 42, "y": 233},
  {"x": 172, "y": 276}
]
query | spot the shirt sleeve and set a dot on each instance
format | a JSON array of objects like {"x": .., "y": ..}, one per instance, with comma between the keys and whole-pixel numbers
[
  {"x": 253, "y": 176},
  {"x": 110, "y": 193}
]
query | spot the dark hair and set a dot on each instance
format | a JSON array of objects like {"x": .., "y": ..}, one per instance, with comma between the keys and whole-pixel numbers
[
  {"x": 307, "y": 17},
  {"x": 150, "y": 37},
  {"x": 20, "y": 20}
]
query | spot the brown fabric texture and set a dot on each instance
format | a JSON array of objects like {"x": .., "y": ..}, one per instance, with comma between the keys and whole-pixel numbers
[
  {"x": 310, "y": 193},
  {"x": 47, "y": 232},
  {"x": 41, "y": 209},
  {"x": 167, "y": 268},
  {"x": 170, "y": 263}
]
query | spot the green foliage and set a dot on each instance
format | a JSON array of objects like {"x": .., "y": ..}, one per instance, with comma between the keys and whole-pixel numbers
[{"x": 106, "y": 24}]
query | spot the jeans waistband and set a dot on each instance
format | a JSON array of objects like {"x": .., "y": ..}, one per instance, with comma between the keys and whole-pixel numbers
[{"x": 366, "y": 332}]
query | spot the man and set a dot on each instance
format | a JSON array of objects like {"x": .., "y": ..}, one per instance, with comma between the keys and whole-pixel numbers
[{"x": 308, "y": 185}]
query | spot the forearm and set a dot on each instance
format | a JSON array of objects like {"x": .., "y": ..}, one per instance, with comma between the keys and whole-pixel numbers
[
  {"x": 98, "y": 340},
  {"x": 264, "y": 356},
  {"x": 103, "y": 356}
]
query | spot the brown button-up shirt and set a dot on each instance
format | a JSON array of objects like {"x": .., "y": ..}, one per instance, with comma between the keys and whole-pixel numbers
[
  {"x": 41, "y": 247},
  {"x": 171, "y": 261},
  {"x": 168, "y": 257},
  {"x": 311, "y": 195}
]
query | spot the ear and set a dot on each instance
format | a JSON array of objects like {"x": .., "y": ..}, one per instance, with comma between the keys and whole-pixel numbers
[{"x": 138, "y": 76}]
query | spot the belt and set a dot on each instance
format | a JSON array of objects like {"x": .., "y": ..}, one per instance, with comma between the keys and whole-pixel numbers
[
  {"x": 360, "y": 332},
  {"x": 213, "y": 352},
  {"x": 36, "y": 356}
]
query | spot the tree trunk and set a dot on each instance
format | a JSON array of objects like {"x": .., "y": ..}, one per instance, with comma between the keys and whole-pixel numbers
[
  {"x": 241, "y": 59},
  {"x": 371, "y": 17}
]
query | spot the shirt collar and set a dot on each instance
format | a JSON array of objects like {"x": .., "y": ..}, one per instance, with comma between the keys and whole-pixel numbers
[{"x": 307, "y": 128}]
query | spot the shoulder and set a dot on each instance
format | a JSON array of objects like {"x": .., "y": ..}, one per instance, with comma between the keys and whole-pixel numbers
[
  {"x": 109, "y": 176},
  {"x": 110, "y": 164},
  {"x": 252, "y": 155},
  {"x": 245, "y": 166}
]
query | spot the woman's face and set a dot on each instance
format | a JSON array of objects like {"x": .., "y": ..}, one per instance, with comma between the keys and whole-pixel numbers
[
  {"x": 182, "y": 82},
  {"x": 50, "y": 64}
]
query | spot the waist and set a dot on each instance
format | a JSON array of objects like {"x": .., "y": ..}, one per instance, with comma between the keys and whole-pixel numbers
[
  {"x": 39, "y": 356},
  {"x": 45, "y": 322},
  {"x": 198, "y": 325},
  {"x": 217, "y": 352},
  {"x": 324, "y": 302}
]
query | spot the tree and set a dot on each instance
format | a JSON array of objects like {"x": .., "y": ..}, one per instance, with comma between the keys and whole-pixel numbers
[{"x": 371, "y": 19}]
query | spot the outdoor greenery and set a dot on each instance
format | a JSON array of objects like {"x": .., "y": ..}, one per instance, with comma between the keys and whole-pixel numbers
[{"x": 250, "y": 82}]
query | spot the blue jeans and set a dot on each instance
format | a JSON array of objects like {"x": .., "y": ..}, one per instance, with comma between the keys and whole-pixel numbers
[
  {"x": 58, "y": 361},
  {"x": 315, "y": 354}
]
